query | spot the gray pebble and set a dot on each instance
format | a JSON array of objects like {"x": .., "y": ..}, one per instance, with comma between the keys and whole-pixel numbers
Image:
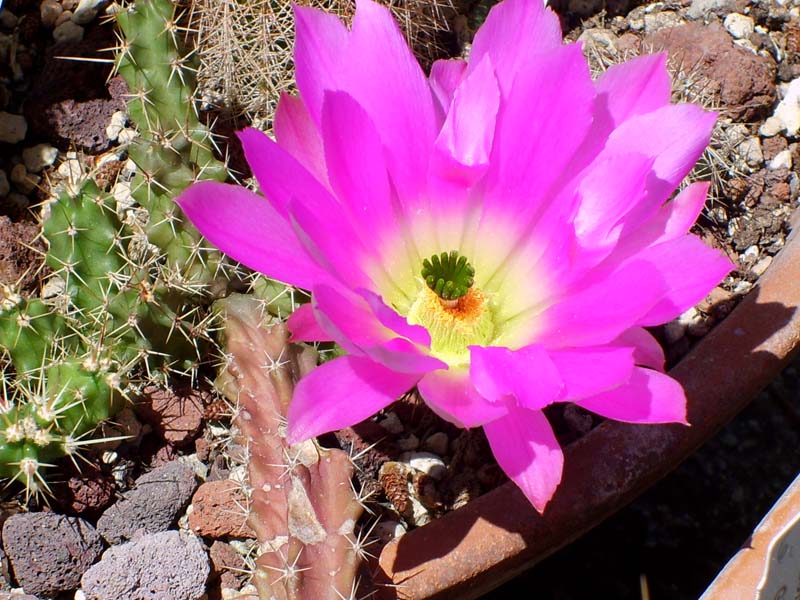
[
  {"x": 154, "y": 503},
  {"x": 437, "y": 443},
  {"x": 68, "y": 32},
  {"x": 49, "y": 553},
  {"x": 5, "y": 187},
  {"x": 12, "y": 128},
  {"x": 170, "y": 565},
  {"x": 8, "y": 19},
  {"x": 39, "y": 156}
]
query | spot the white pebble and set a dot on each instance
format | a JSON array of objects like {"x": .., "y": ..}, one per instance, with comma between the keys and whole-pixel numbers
[
  {"x": 12, "y": 128},
  {"x": 428, "y": 463},
  {"x": 788, "y": 110},
  {"x": 751, "y": 152},
  {"x": 118, "y": 121},
  {"x": 739, "y": 26},
  {"x": 782, "y": 160},
  {"x": 68, "y": 32},
  {"x": 86, "y": 11},
  {"x": 39, "y": 156},
  {"x": 127, "y": 135}
]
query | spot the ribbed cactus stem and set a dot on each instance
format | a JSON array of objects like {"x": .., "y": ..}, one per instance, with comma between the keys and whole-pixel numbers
[{"x": 303, "y": 507}]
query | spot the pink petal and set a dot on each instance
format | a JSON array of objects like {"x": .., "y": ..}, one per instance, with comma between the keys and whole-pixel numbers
[
  {"x": 684, "y": 287},
  {"x": 539, "y": 128},
  {"x": 446, "y": 75},
  {"x": 452, "y": 396},
  {"x": 527, "y": 450},
  {"x": 647, "y": 352},
  {"x": 676, "y": 137},
  {"x": 635, "y": 87},
  {"x": 245, "y": 227},
  {"x": 348, "y": 319},
  {"x": 385, "y": 78},
  {"x": 649, "y": 397},
  {"x": 341, "y": 393},
  {"x": 397, "y": 323},
  {"x": 515, "y": 31},
  {"x": 356, "y": 165},
  {"x": 280, "y": 176},
  {"x": 527, "y": 376},
  {"x": 298, "y": 134},
  {"x": 464, "y": 137},
  {"x": 590, "y": 371},
  {"x": 611, "y": 187},
  {"x": 304, "y": 326},
  {"x": 321, "y": 41},
  {"x": 682, "y": 211},
  {"x": 599, "y": 313}
]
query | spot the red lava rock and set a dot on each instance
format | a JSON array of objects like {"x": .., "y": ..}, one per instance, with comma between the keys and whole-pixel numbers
[
  {"x": 69, "y": 103},
  {"x": 177, "y": 414},
  {"x": 87, "y": 493},
  {"x": 19, "y": 259},
  {"x": 227, "y": 565},
  {"x": 743, "y": 81},
  {"x": 202, "y": 447},
  {"x": 218, "y": 511}
]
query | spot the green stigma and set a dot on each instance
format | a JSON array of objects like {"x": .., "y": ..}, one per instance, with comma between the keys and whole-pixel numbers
[{"x": 449, "y": 275}]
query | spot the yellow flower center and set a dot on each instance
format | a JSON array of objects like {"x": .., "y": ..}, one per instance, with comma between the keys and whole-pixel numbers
[{"x": 453, "y": 324}]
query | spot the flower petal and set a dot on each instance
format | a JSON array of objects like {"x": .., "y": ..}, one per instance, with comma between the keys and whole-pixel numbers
[
  {"x": 349, "y": 320},
  {"x": 676, "y": 137},
  {"x": 515, "y": 31},
  {"x": 341, "y": 393},
  {"x": 446, "y": 75},
  {"x": 635, "y": 87},
  {"x": 527, "y": 450},
  {"x": 647, "y": 352},
  {"x": 356, "y": 166},
  {"x": 304, "y": 327},
  {"x": 238, "y": 222},
  {"x": 527, "y": 376},
  {"x": 684, "y": 287},
  {"x": 298, "y": 134},
  {"x": 464, "y": 137},
  {"x": 649, "y": 397},
  {"x": 599, "y": 313},
  {"x": 452, "y": 396},
  {"x": 590, "y": 371}
]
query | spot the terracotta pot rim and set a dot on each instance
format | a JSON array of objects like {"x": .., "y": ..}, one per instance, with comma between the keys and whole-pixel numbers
[{"x": 471, "y": 550}]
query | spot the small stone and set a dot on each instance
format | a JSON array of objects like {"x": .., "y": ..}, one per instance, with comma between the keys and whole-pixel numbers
[
  {"x": 68, "y": 32},
  {"x": 64, "y": 17},
  {"x": 69, "y": 4},
  {"x": 227, "y": 565},
  {"x": 425, "y": 462},
  {"x": 127, "y": 135},
  {"x": 86, "y": 11},
  {"x": 661, "y": 20},
  {"x": 751, "y": 152},
  {"x": 740, "y": 26},
  {"x": 49, "y": 552},
  {"x": 386, "y": 530},
  {"x": 154, "y": 503},
  {"x": 770, "y": 127},
  {"x": 761, "y": 266},
  {"x": 409, "y": 442},
  {"x": 170, "y": 564},
  {"x": 782, "y": 160},
  {"x": 673, "y": 331},
  {"x": 437, "y": 443},
  {"x": 177, "y": 414},
  {"x": 118, "y": 121},
  {"x": 12, "y": 128},
  {"x": 25, "y": 182},
  {"x": 49, "y": 12},
  {"x": 218, "y": 511},
  {"x": 5, "y": 187},
  {"x": 39, "y": 156},
  {"x": 391, "y": 423},
  {"x": 788, "y": 110},
  {"x": 8, "y": 19}
]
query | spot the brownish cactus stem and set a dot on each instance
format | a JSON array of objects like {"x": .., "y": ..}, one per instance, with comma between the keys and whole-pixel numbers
[{"x": 302, "y": 506}]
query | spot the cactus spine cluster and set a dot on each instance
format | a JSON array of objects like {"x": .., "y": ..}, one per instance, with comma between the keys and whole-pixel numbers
[
  {"x": 131, "y": 280},
  {"x": 302, "y": 504}
]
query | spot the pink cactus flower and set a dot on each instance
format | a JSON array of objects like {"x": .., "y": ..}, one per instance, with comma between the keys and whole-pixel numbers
[{"x": 497, "y": 234}]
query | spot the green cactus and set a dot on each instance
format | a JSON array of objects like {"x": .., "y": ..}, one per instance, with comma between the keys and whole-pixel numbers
[{"x": 134, "y": 291}]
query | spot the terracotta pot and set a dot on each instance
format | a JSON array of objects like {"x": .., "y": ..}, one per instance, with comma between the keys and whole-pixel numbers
[
  {"x": 746, "y": 573},
  {"x": 476, "y": 548}
]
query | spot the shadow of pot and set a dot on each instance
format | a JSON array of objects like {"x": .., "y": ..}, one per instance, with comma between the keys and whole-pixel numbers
[{"x": 474, "y": 549}]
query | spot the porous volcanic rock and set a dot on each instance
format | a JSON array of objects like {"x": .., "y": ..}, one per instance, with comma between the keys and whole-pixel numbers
[
  {"x": 49, "y": 553},
  {"x": 744, "y": 82},
  {"x": 155, "y": 502},
  {"x": 218, "y": 511},
  {"x": 170, "y": 565}
]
